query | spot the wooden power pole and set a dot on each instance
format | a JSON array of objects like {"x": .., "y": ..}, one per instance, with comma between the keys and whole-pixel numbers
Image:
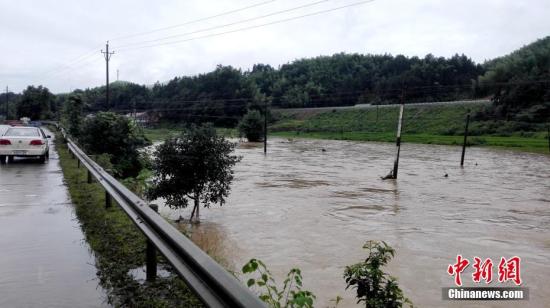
[
  {"x": 398, "y": 140},
  {"x": 265, "y": 126},
  {"x": 465, "y": 139}
]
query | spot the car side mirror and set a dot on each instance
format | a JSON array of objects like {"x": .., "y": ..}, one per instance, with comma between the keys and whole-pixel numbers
[{"x": 48, "y": 136}]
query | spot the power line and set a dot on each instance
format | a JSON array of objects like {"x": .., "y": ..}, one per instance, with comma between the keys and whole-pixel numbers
[
  {"x": 255, "y": 26},
  {"x": 71, "y": 63},
  {"x": 192, "y": 21},
  {"x": 228, "y": 24}
]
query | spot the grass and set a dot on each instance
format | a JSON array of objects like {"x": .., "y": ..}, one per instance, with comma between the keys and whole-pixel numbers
[
  {"x": 432, "y": 124},
  {"x": 118, "y": 245},
  {"x": 436, "y": 124}
]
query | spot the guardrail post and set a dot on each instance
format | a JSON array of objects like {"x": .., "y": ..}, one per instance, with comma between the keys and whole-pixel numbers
[
  {"x": 78, "y": 163},
  {"x": 107, "y": 200},
  {"x": 89, "y": 177},
  {"x": 151, "y": 255}
]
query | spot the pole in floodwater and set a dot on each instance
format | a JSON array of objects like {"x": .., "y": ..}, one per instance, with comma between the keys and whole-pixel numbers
[
  {"x": 265, "y": 126},
  {"x": 398, "y": 141},
  {"x": 465, "y": 139}
]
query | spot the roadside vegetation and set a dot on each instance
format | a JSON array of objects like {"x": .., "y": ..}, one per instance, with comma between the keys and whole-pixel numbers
[
  {"x": 118, "y": 246},
  {"x": 373, "y": 286}
]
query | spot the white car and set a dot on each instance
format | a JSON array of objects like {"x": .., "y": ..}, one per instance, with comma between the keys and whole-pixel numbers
[
  {"x": 3, "y": 129},
  {"x": 25, "y": 142}
]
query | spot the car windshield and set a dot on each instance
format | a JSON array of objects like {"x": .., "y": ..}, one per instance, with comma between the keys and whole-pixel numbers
[{"x": 22, "y": 132}]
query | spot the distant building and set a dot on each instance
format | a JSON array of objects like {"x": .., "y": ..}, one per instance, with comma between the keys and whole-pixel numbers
[{"x": 146, "y": 118}]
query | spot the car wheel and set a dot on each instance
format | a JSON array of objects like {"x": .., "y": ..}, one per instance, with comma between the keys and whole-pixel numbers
[
  {"x": 42, "y": 159},
  {"x": 2, "y": 159},
  {"x": 10, "y": 159}
]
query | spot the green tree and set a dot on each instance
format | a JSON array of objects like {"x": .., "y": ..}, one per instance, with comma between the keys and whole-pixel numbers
[
  {"x": 197, "y": 165},
  {"x": 251, "y": 126},
  {"x": 35, "y": 103},
  {"x": 374, "y": 287},
  {"x": 72, "y": 114},
  {"x": 117, "y": 135}
]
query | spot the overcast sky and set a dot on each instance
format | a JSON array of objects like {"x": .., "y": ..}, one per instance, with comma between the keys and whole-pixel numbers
[{"x": 57, "y": 43}]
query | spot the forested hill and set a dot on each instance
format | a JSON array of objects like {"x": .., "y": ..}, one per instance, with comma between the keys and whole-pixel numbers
[
  {"x": 340, "y": 79},
  {"x": 347, "y": 79},
  {"x": 526, "y": 72},
  {"x": 224, "y": 94}
]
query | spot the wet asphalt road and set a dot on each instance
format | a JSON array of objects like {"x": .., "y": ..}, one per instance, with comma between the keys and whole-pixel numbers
[{"x": 44, "y": 259}]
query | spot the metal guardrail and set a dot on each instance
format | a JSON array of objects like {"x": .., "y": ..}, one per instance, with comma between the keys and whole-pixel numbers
[{"x": 209, "y": 280}]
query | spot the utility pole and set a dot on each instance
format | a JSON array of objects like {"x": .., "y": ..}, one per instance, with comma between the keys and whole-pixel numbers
[
  {"x": 7, "y": 103},
  {"x": 398, "y": 138},
  {"x": 117, "y": 75},
  {"x": 107, "y": 55},
  {"x": 265, "y": 126},
  {"x": 465, "y": 139}
]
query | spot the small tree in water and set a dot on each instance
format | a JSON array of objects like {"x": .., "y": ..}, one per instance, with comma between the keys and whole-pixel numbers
[
  {"x": 374, "y": 287},
  {"x": 197, "y": 166},
  {"x": 251, "y": 126}
]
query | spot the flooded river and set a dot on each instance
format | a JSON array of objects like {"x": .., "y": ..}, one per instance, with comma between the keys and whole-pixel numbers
[
  {"x": 300, "y": 206},
  {"x": 44, "y": 260}
]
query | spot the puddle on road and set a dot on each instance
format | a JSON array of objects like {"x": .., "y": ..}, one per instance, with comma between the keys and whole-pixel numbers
[{"x": 302, "y": 207}]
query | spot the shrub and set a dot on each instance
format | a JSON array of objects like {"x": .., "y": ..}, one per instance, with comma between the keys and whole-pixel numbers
[
  {"x": 251, "y": 126},
  {"x": 291, "y": 295},
  {"x": 374, "y": 287}
]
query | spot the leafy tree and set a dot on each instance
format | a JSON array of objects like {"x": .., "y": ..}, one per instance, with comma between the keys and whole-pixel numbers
[
  {"x": 374, "y": 287},
  {"x": 291, "y": 295},
  {"x": 35, "y": 103},
  {"x": 117, "y": 135},
  {"x": 197, "y": 165},
  {"x": 72, "y": 114},
  {"x": 251, "y": 126}
]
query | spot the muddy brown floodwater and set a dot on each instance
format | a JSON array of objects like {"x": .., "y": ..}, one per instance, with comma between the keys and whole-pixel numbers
[
  {"x": 44, "y": 259},
  {"x": 300, "y": 206}
]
